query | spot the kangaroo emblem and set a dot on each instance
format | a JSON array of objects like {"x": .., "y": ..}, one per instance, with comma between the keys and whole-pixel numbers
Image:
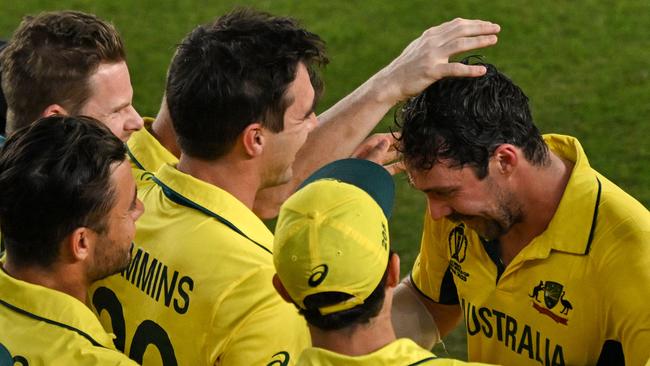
[{"x": 536, "y": 290}]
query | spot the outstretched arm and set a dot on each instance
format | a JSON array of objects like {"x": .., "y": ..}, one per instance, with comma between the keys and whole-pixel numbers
[{"x": 348, "y": 122}]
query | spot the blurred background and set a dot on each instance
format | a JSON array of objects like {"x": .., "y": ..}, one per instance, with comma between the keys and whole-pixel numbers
[{"x": 584, "y": 64}]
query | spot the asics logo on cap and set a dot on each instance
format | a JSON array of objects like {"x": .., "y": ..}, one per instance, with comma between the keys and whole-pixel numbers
[{"x": 318, "y": 275}]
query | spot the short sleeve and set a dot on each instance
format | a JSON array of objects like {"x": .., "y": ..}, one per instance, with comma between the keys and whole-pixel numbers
[{"x": 431, "y": 274}]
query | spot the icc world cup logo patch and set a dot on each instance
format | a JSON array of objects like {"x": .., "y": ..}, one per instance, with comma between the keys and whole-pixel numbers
[
  {"x": 458, "y": 243},
  {"x": 553, "y": 293},
  {"x": 458, "y": 251}
]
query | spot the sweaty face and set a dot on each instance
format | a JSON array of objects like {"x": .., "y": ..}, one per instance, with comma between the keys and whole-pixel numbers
[
  {"x": 110, "y": 100},
  {"x": 113, "y": 247},
  {"x": 299, "y": 119},
  {"x": 457, "y": 194}
]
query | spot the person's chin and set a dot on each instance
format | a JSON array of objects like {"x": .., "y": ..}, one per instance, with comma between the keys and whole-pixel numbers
[
  {"x": 127, "y": 259},
  {"x": 280, "y": 179},
  {"x": 487, "y": 229}
]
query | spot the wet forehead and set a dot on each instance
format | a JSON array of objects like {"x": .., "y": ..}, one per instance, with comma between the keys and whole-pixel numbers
[{"x": 440, "y": 177}]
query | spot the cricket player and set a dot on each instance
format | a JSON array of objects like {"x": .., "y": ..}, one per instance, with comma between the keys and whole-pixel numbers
[
  {"x": 547, "y": 259},
  {"x": 68, "y": 208},
  {"x": 68, "y": 63},
  {"x": 198, "y": 291}
]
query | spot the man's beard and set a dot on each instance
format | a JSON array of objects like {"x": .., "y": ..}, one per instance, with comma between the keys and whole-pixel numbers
[
  {"x": 492, "y": 226},
  {"x": 109, "y": 261}
]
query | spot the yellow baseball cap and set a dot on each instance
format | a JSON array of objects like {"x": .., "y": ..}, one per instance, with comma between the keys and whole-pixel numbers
[{"x": 332, "y": 234}]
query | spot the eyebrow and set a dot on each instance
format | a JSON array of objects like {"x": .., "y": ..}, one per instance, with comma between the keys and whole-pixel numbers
[{"x": 441, "y": 190}]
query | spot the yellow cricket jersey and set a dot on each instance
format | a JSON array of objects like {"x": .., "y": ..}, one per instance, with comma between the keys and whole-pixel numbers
[
  {"x": 41, "y": 326},
  {"x": 198, "y": 290},
  {"x": 146, "y": 154},
  {"x": 578, "y": 294},
  {"x": 401, "y": 352}
]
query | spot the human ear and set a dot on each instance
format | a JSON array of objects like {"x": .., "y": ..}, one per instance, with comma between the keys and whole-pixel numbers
[
  {"x": 53, "y": 109},
  {"x": 79, "y": 243},
  {"x": 279, "y": 287},
  {"x": 253, "y": 139},
  {"x": 506, "y": 158},
  {"x": 393, "y": 270}
]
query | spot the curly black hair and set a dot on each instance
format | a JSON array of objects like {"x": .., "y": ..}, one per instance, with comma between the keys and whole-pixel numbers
[{"x": 463, "y": 120}]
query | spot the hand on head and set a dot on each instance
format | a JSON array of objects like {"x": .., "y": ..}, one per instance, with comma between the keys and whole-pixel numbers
[{"x": 426, "y": 59}]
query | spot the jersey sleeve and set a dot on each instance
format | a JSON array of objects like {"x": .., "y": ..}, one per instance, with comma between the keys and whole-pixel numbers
[
  {"x": 625, "y": 281},
  {"x": 267, "y": 330},
  {"x": 431, "y": 275}
]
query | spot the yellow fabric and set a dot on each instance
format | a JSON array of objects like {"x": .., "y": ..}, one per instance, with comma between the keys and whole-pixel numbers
[
  {"x": 331, "y": 236},
  {"x": 401, "y": 352},
  {"x": 46, "y": 327},
  {"x": 146, "y": 154},
  {"x": 597, "y": 280},
  {"x": 207, "y": 287}
]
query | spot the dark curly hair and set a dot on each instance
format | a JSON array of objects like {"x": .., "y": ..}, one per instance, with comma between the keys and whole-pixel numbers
[
  {"x": 234, "y": 72},
  {"x": 463, "y": 120}
]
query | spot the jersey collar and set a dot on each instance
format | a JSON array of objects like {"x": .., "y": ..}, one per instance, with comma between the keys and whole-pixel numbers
[
  {"x": 53, "y": 307},
  {"x": 571, "y": 229},
  {"x": 145, "y": 151},
  {"x": 399, "y": 352},
  {"x": 218, "y": 201}
]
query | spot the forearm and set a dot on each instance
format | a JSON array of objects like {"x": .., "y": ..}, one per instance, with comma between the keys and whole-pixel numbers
[{"x": 344, "y": 125}]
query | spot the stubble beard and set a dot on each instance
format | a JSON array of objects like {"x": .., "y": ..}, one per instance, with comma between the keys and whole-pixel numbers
[
  {"x": 106, "y": 264},
  {"x": 493, "y": 226}
]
